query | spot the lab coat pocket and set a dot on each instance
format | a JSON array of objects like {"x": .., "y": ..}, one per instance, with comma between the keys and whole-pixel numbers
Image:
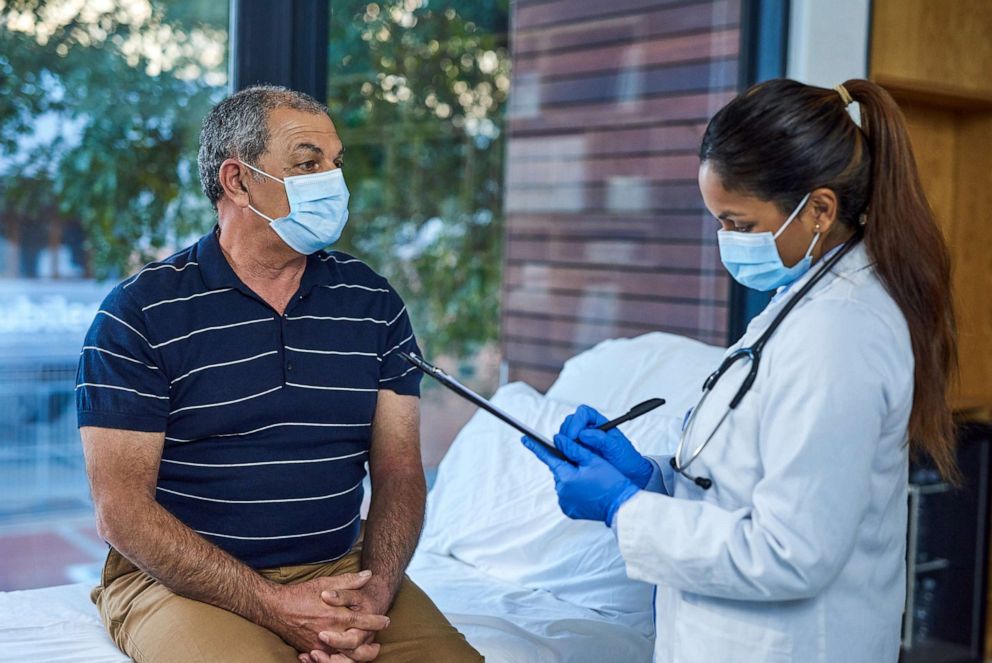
[{"x": 709, "y": 630}]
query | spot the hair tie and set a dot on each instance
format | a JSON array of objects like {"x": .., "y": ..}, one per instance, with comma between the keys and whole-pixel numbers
[{"x": 845, "y": 96}]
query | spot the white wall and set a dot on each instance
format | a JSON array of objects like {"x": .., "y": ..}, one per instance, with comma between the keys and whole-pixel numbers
[{"x": 828, "y": 41}]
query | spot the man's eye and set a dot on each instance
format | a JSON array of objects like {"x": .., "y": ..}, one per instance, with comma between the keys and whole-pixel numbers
[
  {"x": 743, "y": 229},
  {"x": 308, "y": 165}
]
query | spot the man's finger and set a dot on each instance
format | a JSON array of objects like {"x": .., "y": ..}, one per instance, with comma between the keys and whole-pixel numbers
[
  {"x": 566, "y": 425},
  {"x": 367, "y": 622},
  {"x": 337, "y": 640},
  {"x": 341, "y": 598},
  {"x": 346, "y": 581},
  {"x": 319, "y": 656},
  {"x": 366, "y": 652}
]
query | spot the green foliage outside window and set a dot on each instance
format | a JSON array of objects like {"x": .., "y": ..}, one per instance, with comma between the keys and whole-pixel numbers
[
  {"x": 100, "y": 109},
  {"x": 418, "y": 92}
]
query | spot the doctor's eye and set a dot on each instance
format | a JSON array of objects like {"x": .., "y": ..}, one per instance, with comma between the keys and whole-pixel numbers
[{"x": 307, "y": 165}]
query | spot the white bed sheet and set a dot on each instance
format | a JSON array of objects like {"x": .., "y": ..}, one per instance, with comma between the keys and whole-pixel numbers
[
  {"x": 54, "y": 624},
  {"x": 507, "y": 624},
  {"x": 512, "y": 624}
]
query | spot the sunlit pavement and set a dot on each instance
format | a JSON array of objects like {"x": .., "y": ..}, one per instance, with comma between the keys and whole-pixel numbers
[{"x": 50, "y": 551}]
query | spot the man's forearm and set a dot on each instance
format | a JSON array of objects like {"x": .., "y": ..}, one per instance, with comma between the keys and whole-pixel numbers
[
  {"x": 392, "y": 531},
  {"x": 161, "y": 545}
]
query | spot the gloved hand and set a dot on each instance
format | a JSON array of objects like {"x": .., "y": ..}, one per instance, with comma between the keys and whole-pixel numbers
[
  {"x": 611, "y": 445},
  {"x": 591, "y": 489}
]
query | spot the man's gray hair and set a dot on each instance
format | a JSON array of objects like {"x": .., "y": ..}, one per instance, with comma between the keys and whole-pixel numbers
[{"x": 238, "y": 128}]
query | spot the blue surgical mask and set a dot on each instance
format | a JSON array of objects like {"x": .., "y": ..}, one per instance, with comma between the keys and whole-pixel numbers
[
  {"x": 753, "y": 259},
  {"x": 318, "y": 210}
]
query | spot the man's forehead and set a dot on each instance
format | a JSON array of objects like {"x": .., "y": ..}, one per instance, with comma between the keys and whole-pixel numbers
[{"x": 292, "y": 130}]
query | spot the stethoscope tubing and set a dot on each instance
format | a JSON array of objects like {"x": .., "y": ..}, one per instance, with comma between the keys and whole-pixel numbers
[{"x": 753, "y": 353}]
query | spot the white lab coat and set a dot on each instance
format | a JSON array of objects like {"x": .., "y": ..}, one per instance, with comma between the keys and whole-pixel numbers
[{"x": 797, "y": 552}]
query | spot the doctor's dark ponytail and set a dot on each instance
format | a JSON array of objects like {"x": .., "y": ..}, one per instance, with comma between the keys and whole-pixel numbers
[{"x": 781, "y": 139}]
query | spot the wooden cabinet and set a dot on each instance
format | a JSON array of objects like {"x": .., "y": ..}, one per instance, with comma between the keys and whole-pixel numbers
[{"x": 935, "y": 58}]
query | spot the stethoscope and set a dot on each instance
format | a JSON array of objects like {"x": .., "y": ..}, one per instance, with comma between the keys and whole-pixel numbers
[{"x": 753, "y": 354}]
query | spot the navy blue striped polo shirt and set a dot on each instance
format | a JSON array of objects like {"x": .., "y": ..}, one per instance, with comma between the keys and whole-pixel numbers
[{"x": 267, "y": 417}]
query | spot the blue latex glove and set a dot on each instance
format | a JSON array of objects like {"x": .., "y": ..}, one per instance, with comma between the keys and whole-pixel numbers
[
  {"x": 591, "y": 489},
  {"x": 611, "y": 445}
]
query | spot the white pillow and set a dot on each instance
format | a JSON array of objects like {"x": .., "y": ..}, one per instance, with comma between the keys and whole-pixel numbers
[
  {"x": 618, "y": 373},
  {"x": 494, "y": 507}
]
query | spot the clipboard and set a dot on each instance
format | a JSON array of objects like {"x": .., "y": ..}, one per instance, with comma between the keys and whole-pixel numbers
[{"x": 469, "y": 395}]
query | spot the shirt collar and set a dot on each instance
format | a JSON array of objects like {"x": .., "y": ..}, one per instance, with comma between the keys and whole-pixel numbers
[{"x": 218, "y": 273}]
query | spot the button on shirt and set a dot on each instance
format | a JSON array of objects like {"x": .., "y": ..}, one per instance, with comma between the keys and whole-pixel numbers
[{"x": 267, "y": 417}]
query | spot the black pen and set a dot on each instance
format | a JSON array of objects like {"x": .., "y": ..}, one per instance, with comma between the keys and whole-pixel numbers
[{"x": 634, "y": 413}]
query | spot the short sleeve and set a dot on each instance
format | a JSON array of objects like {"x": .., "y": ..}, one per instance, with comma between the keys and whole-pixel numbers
[
  {"x": 120, "y": 382},
  {"x": 395, "y": 373}
]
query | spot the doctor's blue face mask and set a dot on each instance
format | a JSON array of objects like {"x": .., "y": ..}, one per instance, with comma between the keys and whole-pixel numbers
[
  {"x": 318, "y": 209},
  {"x": 753, "y": 258}
]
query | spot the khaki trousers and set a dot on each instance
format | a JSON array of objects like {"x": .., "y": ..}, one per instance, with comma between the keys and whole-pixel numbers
[{"x": 152, "y": 625}]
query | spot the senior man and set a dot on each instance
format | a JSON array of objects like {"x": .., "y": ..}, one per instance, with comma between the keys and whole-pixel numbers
[{"x": 229, "y": 397}]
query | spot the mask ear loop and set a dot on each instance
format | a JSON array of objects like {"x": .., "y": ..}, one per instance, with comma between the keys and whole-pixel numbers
[
  {"x": 272, "y": 177},
  {"x": 795, "y": 213}
]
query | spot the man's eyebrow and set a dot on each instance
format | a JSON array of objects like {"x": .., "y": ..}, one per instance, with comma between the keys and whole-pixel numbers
[
  {"x": 307, "y": 147},
  {"x": 723, "y": 215},
  {"x": 340, "y": 153}
]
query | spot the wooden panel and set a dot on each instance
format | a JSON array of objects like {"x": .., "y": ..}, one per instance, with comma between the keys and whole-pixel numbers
[
  {"x": 607, "y": 235},
  {"x": 627, "y": 28},
  {"x": 671, "y": 287},
  {"x": 637, "y": 82},
  {"x": 539, "y": 378},
  {"x": 594, "y": 306},
  {"x": 622, "y": 57},
  {"x": 695, "y": 226},
  {"x": 942, "y": 45},
  {"x": 971, "y": 251},
  {"x": 667, "y": 168},
  {"x": 656, "y": 258},
  {"x": 572, "y": 11},
  {"x": 586, "y": 333},
  {"x": 635, "y": 113},
  {"x": 607, "y": 142}
]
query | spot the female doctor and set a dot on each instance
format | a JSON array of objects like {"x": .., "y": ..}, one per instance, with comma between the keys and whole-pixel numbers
[{"x": 776, "y": 531}]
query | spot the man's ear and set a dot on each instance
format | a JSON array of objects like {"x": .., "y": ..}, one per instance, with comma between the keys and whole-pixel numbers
[{"x": 233, "y": 178}]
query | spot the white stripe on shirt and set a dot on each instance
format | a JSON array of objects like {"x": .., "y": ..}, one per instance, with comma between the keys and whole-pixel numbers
[
  {"x": 111, "y": 315},
  {"x": 185, "y": 299},
  {"x": 285, "y": 536},
  {"x": 397, "y": 377},
  {"x": 236, "y": 400},
  {"x": 336, "y": 319},
  {"x": 269, "y": 462},
  {"x": 402, "y": 311},
  {"x": 126, "y": 358},
  {"x": 396, "y": 347},
  {"x": 349, "y": 285},
  {"x": 293, "y": 499},
  {"x": 206, "y": 329},
  {"x": 340, "y": 262},
  {"x": 225, "y": 363},
  {"x": 153, "y": 269},
  {"x": 314, "y": 386},
  {"x": 111, "y": 386},
  {"x": 259, "y": 430},
  {"x": 334, "y": 352}
]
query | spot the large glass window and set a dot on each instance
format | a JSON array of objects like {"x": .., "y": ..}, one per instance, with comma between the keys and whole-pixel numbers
[
  {"x": 418, "y": 89},
  {"x": 100, "y": 108}
]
